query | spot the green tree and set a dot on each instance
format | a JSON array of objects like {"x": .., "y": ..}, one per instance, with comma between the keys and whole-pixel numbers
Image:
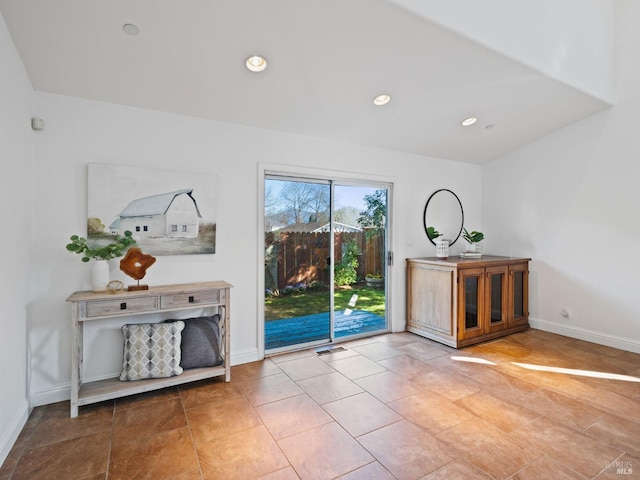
[{"x": 376, "y": 213}]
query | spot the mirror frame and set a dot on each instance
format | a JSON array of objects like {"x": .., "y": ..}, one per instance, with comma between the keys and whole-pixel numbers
[{"x": 424, "y": 215}]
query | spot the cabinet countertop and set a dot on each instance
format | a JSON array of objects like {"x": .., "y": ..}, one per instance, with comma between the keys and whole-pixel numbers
[{"x": 455, "y": 261}]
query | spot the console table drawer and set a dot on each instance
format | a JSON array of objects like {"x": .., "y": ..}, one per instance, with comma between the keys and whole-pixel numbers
[
  {"x": 187, "y": 299},
  {"x": 114, "y": 307}
]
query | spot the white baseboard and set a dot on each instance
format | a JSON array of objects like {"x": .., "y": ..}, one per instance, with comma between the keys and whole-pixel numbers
[
  {"x": 11, "y": 435},
  {"x": 53, "y": 394},
  {"x": 600, "y": 338},
  {"x": 244, "y": 356}
]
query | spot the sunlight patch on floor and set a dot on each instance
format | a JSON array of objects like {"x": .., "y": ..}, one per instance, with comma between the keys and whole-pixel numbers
[
  {"x": 472, "y": 360},
  {"x": 548, "y": 368},
  {"x": 581, "y": 373}
]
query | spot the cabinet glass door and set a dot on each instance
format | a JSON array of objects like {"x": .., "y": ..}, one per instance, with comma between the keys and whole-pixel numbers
[
  {"x": 471, "y": 303},
  {"x": 496, "y": 298},
  {"x": 519, "y": 279},
  {"x": 471, "y": 314},
  {"x": 518, "y": 300}
]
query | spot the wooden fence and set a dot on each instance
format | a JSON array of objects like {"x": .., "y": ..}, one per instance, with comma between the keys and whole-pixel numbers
[{"x": 301, "y": 257}]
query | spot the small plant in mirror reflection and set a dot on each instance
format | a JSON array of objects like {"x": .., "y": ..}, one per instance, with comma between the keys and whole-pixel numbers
[
  {"x": 432, "y": 233},
  {"x": 473, "y": 237}
]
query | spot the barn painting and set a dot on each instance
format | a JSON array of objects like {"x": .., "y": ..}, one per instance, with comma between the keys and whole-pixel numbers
[{"x": 169, "y": 212}]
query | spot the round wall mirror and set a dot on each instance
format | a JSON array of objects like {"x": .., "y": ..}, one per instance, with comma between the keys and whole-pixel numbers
[{"x": 443, "y": 216}]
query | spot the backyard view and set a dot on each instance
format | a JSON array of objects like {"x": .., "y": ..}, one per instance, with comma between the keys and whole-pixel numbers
[
  {"x": 307, "y": 303},
  {"x": 300, "y": 275}
]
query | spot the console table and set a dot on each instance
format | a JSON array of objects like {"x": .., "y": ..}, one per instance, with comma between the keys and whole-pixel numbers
[
  {"x": 462, "y": 301},
  {"x": 90, "y": 307}
]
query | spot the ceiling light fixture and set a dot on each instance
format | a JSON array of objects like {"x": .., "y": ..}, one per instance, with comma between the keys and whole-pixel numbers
[
  {"x": 467, "y": 122},
  {"x": 381, "y": 99},
  {"x": 256, "y": 63},
  {"x": 131, "y": 29}
]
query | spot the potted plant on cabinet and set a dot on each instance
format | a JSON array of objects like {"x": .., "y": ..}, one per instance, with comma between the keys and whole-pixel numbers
[{"x": 474, "y": 239}]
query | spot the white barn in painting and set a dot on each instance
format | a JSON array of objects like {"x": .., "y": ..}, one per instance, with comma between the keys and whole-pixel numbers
[{"x": 172, "y": 214}]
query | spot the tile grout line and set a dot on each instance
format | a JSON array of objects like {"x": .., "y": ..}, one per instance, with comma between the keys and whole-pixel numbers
[
  {"x": 193, "y": 442},
  {"x": 113, "y": 422}
]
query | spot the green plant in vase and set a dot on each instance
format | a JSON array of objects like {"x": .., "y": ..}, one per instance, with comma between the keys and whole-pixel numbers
[
  {"x": 101, "y": 254},
  {"x": 114, "y": 249},
  {"x": 474, "y": 239}
]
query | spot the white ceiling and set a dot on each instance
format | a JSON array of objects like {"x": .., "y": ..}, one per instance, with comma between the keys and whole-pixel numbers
[{"x": 327, "y": 60}]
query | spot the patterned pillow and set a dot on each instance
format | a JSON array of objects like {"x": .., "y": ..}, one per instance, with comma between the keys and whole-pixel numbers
[{"x": 151, "y": 350}]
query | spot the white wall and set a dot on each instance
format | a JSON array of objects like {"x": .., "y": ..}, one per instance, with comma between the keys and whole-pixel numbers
[
  {"x": 80, "y": 131},
  {"x": 568, "y": 40},
  {"x": 16, "y": 154},
  {"x": 570, "y": 202}
]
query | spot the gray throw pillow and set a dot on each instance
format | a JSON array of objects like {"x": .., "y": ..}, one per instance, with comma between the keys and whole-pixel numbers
[{"x": 200, "y": 342}]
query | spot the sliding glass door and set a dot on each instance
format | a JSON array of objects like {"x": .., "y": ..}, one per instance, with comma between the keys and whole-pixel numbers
[
  {"x": 325, "y": 252},
  {"x": 297, "y": 262},
  {"x": 360, "y": 296}
]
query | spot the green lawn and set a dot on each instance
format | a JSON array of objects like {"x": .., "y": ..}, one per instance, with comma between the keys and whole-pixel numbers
[{"x": 308, "y": 303}]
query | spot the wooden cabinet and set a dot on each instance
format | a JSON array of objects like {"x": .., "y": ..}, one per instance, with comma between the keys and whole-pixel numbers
[
  {"x": 91, "y": 307},
  {"x": 463, "y": 301}
]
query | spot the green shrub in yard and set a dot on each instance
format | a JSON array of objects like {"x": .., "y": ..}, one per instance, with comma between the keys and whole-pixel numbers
[{"x": 345, "y": 271}]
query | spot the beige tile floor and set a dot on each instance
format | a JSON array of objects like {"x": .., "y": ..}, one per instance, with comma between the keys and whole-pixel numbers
[{"x": 392, "y": 406}]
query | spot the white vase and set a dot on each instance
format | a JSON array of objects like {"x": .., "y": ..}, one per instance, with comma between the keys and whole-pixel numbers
[
  {"x": 474, "y": 247},
  {"x": 99, "y": 275},
  {"x": 442, "y": 247}
]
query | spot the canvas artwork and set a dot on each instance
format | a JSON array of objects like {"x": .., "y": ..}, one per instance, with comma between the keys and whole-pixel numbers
[{"x": 168, "y": 212}]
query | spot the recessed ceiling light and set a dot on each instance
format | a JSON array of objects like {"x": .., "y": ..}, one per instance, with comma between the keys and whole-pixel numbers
[
  {"x": 382, "y": 99},
  {"x": 256, "y": 63},
  {"x": 130, "y": 29},
  {"x": 489, "y": 127},
  {"x": 467, "y": 122}
]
